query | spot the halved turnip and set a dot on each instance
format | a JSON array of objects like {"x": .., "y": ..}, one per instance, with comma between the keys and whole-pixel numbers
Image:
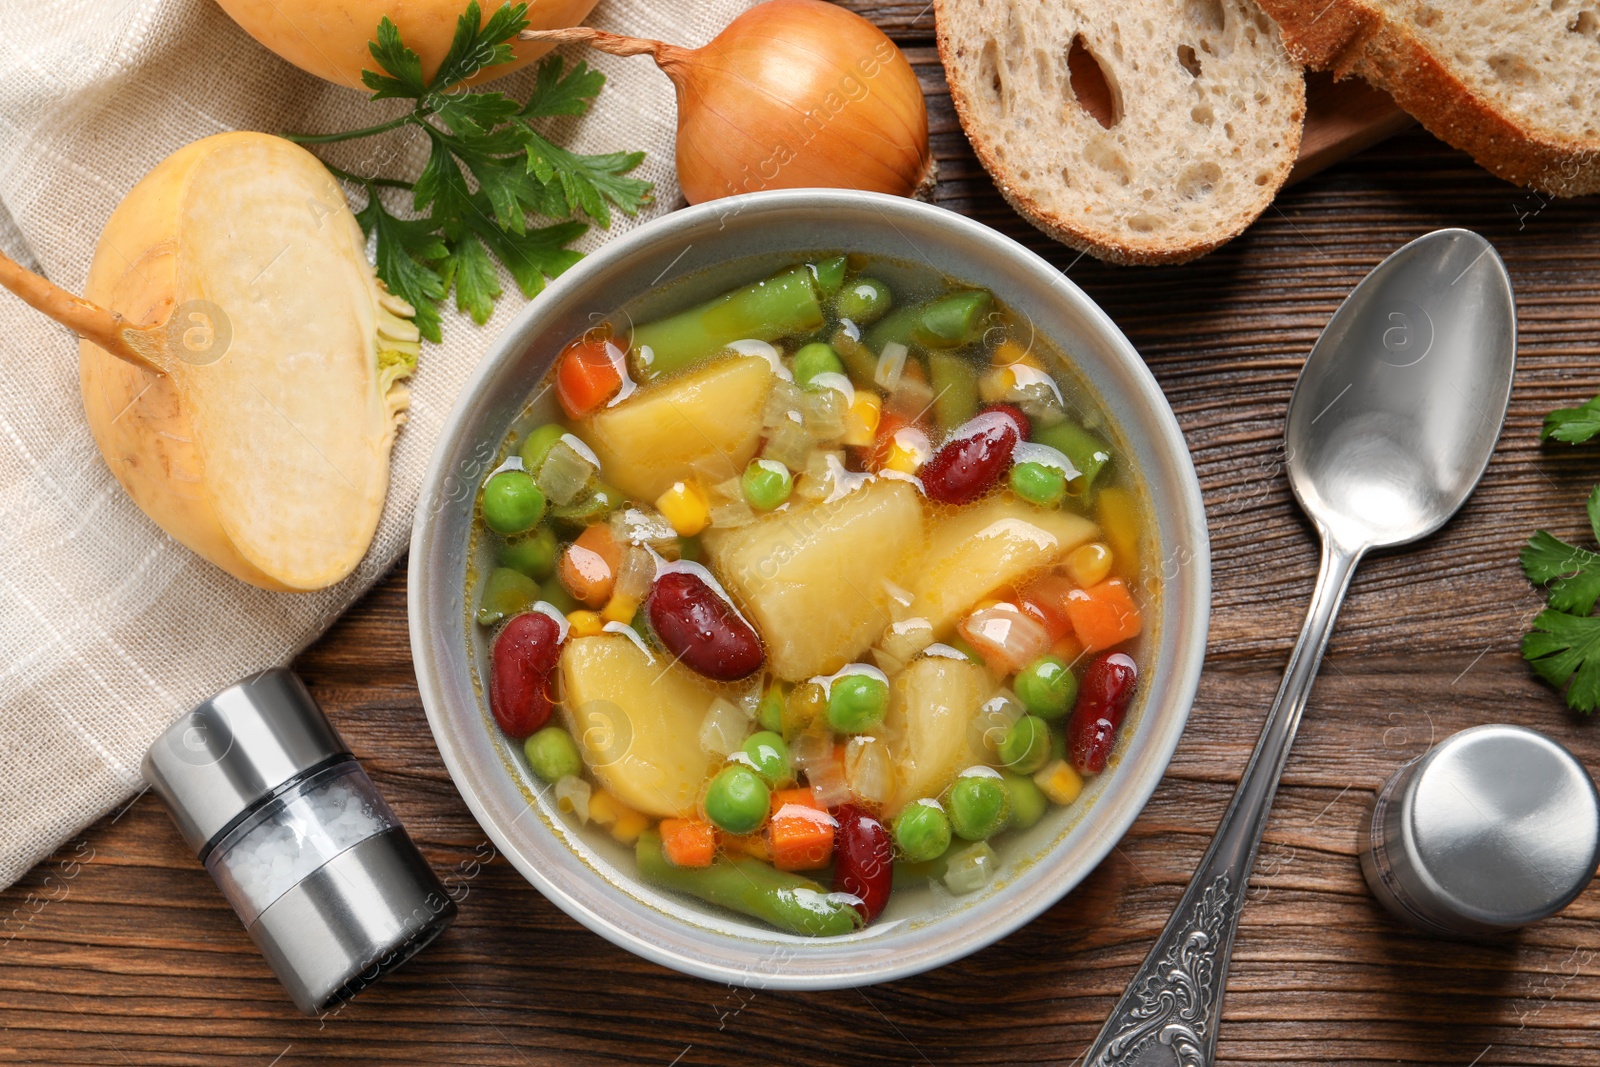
[{"x": 240, "y": 361}]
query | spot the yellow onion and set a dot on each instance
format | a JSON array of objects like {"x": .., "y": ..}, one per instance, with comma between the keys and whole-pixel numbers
[{"x": 791, "y": 94}]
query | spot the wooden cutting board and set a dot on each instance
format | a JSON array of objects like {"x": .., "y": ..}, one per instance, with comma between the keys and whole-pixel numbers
[{"x": 1342, "y": 118}]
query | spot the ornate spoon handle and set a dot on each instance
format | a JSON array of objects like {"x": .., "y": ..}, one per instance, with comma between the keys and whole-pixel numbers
[{"x": 1169, "y": 1014}]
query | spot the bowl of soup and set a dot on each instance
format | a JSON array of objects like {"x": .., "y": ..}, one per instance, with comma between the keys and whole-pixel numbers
[{"x": 809, "y": 589}]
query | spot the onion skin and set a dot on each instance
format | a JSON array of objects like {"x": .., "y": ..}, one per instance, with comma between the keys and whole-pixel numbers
[
  {"x": 329, "y": 38},
  {"x": 792, "y": 94}
]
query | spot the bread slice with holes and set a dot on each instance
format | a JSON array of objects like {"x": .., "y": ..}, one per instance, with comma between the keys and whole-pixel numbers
[
  {"x": 1515, "y": 83},
  {"x": 1138, "y": 131}
]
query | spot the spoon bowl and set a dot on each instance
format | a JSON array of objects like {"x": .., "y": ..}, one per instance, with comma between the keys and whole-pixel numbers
[{"x": 1400, "y": 403}]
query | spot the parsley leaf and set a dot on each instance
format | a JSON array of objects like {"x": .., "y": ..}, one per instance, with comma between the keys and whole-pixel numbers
[
  {"x": 1563, "y": 647},
  {"x": 1572, "y": 573},
  {"x": 1573, "y": 425},
  {"x": 488, "y": 170}
]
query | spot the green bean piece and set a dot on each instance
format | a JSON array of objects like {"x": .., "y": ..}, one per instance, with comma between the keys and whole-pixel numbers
[
  {"x": 864, "y": 301},
  {"x": 783, "y": 305},
  {"x": 791, "y": 902},
  {"x": 955, "y": 389},
  {"x": 552, "y": 754},
  {"x": 537, "y": 445},
  {"x": 1038, "y": 483},
  {"x": 506, "y": 593},
  {"x": 894, "y": 327},
  {"x": 533, "y": 553},
  {"x": 1086, "y": 451},
  {"x": 1028, "y": 802},
  {"x": 859, "y": 361},
  {"x": 556, "y": 595},
  {"x": 599, "y": 501},
  {"x": 829, "y": 275},
  {"x": 953, "y": 320}
]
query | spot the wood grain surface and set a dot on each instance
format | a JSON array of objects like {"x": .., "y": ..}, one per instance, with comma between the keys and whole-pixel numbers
[{"x": 119, "y": 950}]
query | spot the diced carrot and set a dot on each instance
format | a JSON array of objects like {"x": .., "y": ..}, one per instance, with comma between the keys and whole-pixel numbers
[
  {"x": 799, "y": 832},
  {"x": 589, "y": 373},
  {"x": 1069, "y": 649},
  {"x": 688, "y": 842},
  {"x": 1103, "y": 615},
  {"x": 1044, "y": 600},
  {"x": 589, "y": 566}
]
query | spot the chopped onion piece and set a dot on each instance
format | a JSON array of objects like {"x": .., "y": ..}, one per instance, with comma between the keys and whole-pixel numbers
[
  {"x": 813, "y": 754},
  {"x": 891, "y": 365},
  {"x": 868, "y": 770},
  {"x": 904, "y": 639},
  {"x": 723, "y": 729},
  {"x": 572, "y": 797},
  {"x": 637, "y": 572},
  {"x": 825, "y": 408},
  {"x": 995, "y": 717},
  {"x": 790, "y": 443},
  {"x": 732, "y": 514},
  {"x": 1007, "y": 639},
  {"x": 565, "y": 473},
  {"x": 783, "y": 404}
]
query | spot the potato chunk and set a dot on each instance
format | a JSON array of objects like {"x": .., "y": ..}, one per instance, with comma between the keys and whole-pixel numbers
[
  {"x": 812, "y": 577},
  {"x": 932, "y": 705},
  {"x": 637, "y": 721},
  {"x": 707, "y": 420},
  {"x": 982, "y": 547}
]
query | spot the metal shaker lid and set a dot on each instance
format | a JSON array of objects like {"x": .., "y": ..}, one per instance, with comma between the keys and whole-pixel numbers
[
  {"x": 1497, "y": 827},
  {"x": 236, "y": 749}
]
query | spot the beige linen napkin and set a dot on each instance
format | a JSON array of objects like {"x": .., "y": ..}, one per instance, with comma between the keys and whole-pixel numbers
[{"x": 108, "y": 628}]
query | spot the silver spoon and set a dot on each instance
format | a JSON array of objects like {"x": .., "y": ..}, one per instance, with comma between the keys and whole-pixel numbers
[{"x": 1391, "y": 425}]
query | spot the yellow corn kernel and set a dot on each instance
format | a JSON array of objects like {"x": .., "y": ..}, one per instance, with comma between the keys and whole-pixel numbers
[
  {"x": 1089, "y": 564},
  {"x": 603, "y": 807},
  {"x": 996, "y": 383},
  {"x": 908, "y": 451},
  {"x": 1059, "y": 781},
  {"x": 685, "y": 507},
  {"x": 585, "y": 623},
  {"x": 629, "y": 825},
  {"x": 620, "y": 609},
  {"x": 861, "y": 421},
  {"x": 1008, "y": 352}
]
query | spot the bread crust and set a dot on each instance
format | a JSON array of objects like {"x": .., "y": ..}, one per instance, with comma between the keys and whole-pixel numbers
[
  {"x": 1115, "y": 249},
  {"x": 1350, "y": 37}
]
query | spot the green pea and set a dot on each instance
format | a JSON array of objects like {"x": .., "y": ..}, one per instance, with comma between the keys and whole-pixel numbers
[
  {"x": 857, "y": 702},
  {"x": 552, "y": 754},
  {"x": 922, "y": 831},
  {"x": 737, "y": 800},
  {"x": 534, "y": 554},
  {"x": 512, "y": 503},
  {"x": 979, "y": 806},
  {"x": 767, "y": 483},
  {"x": 769, "y": 756},
  {"x": 1026, "y": 746},
  {"x": 814, "y": 359},
  {"x": 864, "y": 301},
  {"x": 1047, "y": 687},
  {"x": 506, "y": 593},
  {"x": 537, "y": 445},
  {"x": 769, "y": 713},
  {"x": 556, "y": 595},
  {"x": 1028, "y": 802},
  {"x": 1039, "y": 484}
]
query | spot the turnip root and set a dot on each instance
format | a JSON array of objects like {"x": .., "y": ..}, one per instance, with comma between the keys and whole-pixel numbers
[
  {"x": 329, "y": 38},
  {"x": 240, "y": 361}
]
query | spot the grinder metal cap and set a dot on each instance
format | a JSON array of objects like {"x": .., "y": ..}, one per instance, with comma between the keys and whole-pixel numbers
[
  {"x": 1495, "y": 828},
  {"x": 235, "y": 749}
]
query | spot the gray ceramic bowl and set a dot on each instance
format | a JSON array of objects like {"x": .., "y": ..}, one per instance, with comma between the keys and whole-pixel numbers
[{"x": 588, "y": 875}]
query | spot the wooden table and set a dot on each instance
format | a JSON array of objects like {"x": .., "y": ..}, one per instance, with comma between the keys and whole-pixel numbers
[{"x": 119, "y": 951}]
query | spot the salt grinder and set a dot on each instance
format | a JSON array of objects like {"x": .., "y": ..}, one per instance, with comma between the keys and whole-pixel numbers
[
  {"x": 297, "y": 837},
  {"x": 1495, "y": 828}
]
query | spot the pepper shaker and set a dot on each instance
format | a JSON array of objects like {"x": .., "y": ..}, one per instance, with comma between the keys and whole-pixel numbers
[
  {"x": 323, "y": 876},
  {"x": 1494, "y": 828}
]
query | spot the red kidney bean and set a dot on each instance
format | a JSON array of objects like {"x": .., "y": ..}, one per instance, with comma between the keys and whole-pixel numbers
[
  {"x": 524, "y": 656},
  {"x": 863, "y": 859},
  {"x": 702, "y": 629},
  {"x": 1103, "y": 699},
  {"x": 975, "y": 458}
]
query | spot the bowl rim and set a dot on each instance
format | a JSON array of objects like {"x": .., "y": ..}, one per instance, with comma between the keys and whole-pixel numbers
[{"x": 1187, "y": 656}]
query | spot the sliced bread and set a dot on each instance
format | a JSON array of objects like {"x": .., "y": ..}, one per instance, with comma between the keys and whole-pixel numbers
[
  {"x": 1515, "y": 83},
  {"x": 1138, "y": 131}
]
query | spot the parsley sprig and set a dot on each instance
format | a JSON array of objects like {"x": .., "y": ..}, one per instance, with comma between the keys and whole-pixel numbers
[
  {"x": 488, "y": 170},
  {"x": 1563, "y": 647}
]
